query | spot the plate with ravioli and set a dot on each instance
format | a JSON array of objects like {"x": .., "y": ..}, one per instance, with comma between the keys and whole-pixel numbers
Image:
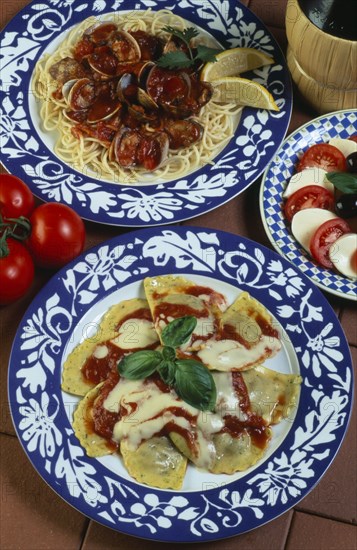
[
  {"x": 308, "y": 201},
  {"x": 173, "y": 384},
  {"x": 120, "y": 112}
]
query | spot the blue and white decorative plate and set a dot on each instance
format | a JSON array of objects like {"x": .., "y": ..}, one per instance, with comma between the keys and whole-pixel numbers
[
  {"x": 27, "y": 152},
  {"x": 209, "y": 506},
  {"x": 283, "y": 165}
]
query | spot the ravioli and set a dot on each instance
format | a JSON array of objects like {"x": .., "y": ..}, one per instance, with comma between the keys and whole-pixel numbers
[
  {"x": 156, "y": 462},
  {"x": 246, "y": 337},
  {"x": 126, "y": 327},
  {"x": 271, "y": 397},
  {"x": 94, "y": 444},
  {"x": 155, "y": 431},
  {"x": 150, "y": 459},
  {"x": 171, "y": 296}
]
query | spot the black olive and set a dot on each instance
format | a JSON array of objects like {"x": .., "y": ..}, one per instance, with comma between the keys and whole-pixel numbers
[
  {"x": 346, "y": 205},
  {"x": 351, "y": 162}
]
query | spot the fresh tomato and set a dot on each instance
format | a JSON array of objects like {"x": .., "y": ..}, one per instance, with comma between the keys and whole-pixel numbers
[
  {"x": 16, "y": 198},
  {"x": 57, "y": 235},
  {"x": 324, "y": 237},
  {"x": 16, "y": 271},
  {"x": 325, "y": 156},
  {"x": 353, "y": 138},
  {"x": 310, "y": 196}
]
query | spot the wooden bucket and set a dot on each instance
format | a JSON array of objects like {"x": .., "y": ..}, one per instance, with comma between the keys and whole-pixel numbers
[
  {"x": 323, "y": 98},
  {"x": 323, "y": 66}
]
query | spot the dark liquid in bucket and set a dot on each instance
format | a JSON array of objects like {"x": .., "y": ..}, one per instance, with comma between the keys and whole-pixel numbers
[{"x": 336, "y": 17}]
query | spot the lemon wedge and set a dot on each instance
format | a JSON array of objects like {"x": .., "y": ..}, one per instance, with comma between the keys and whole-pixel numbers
[
  {"x": 233, "y": 62},
  {"x": 248, "y": 93}
]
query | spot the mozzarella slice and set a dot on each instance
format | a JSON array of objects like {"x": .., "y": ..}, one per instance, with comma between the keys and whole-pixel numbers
[
  {"x": 343, "y": 255},
  {"x": 306, "y": 222},
  {"x": 346, "y": 146},
  {"x": 308, "y": 176}
]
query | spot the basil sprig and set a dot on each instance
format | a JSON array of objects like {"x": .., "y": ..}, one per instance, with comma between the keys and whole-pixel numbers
[
  {"x": 343, "y": 181},
  {"x": 191, "y": 380}
]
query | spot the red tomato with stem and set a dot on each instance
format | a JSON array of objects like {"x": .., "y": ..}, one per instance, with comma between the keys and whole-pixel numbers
[
  {"x": 324, "y": 237},
  {"x": 310, "y": 196},
  {"x": 325, "y": 156},
  {"x": 16, "y": 270},
  {"x": 57, "y": 235},
  {"x": 16, "y": 198}
]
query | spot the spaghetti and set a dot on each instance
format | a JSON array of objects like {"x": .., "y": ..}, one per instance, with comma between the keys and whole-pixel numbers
[{"x": 92, "y": 153}]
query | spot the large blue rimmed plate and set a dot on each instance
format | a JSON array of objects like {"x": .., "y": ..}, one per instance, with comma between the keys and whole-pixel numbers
[
  {"x": 341, "y": 124},
  {"x": 208, "y": 507},
  {"x": 27, "y": 153}
]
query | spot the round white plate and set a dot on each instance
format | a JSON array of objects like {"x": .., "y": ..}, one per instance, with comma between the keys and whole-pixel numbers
[
  {"x": 283, "y": 165},
  {"x": 27, "y": 151},
  {"x": 208, "y": 507}
]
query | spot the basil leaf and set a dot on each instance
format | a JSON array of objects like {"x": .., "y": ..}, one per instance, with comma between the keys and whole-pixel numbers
[
  {"x": 139, "y": 364},
  {"x": 206, "y": 54},
  {"x": 178, "y": 331},
  {"x": 347, "y": 183},
  {"x": 195, "y": 384},
  {"x": 168, "y": 353},
  {"x": 167, "y": 370}
]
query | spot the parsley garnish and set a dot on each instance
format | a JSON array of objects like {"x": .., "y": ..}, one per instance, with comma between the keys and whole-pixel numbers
[{"x": 179, "y": 59}]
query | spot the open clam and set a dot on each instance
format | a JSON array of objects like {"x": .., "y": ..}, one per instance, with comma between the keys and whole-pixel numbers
[
  {"x": 132, "y": 148},
  {"x": 124, "y": 147},
  {"x": 140, "y": 104},
  {"x": 100, "y": 32},
  {"x": 103, "y": 108},
  {"x": 169, "y": 90},
  {"x": 124, "y": 47},
  {"x": 151, "y": 46},
  {"x": 79, "y": 93},
  {"x": 127, "y": 88},
  {"x": 183, "y": 133},
  {"x": 153, "y": 150},
  {"x": 104, "y": 62}
]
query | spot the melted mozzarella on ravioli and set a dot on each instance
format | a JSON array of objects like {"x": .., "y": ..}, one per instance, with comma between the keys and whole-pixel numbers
[
  {"x": 136, "y": 333},
  {"x": 228, "y": 355}
]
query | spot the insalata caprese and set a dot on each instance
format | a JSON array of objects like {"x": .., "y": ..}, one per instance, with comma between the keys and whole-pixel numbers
[{"x": 321, "y": 204}]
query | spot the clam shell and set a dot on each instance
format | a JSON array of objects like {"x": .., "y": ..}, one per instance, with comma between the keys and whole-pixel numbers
[
  {"x": 133, "y": 54},
  {"x": 79, "y": 93}
]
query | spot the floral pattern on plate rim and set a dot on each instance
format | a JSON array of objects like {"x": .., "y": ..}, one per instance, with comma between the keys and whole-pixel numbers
[
  {"x": 274, "y": 486},
  {"x": 241, "y": 162}
]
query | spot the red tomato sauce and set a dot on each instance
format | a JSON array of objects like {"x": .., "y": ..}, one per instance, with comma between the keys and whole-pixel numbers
[
  {"x": 255, "y": 425},
  {"x": 101, "y": 421},
  {"x": 96, "y": 370}
]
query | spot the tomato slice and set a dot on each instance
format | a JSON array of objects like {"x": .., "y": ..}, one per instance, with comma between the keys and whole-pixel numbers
[
  {"x": 324, "y": 237},
  {"x": 353, "y": 138},
  {"x": 310, "y": 196},
  {"x": 325, "y": 156}
]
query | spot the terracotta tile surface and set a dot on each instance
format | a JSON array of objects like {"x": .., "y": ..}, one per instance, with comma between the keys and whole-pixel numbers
[
  {"x": 349, "y": 322},
  {"x": 33, "y": 517},
  {"x": 313, "y": 533},
  {"x": 270, "y": 537},
  {"x": 272, "y": 12}
]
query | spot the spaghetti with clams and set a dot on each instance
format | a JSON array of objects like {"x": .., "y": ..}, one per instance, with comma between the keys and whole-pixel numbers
[{"x": 121, "y": 115}]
